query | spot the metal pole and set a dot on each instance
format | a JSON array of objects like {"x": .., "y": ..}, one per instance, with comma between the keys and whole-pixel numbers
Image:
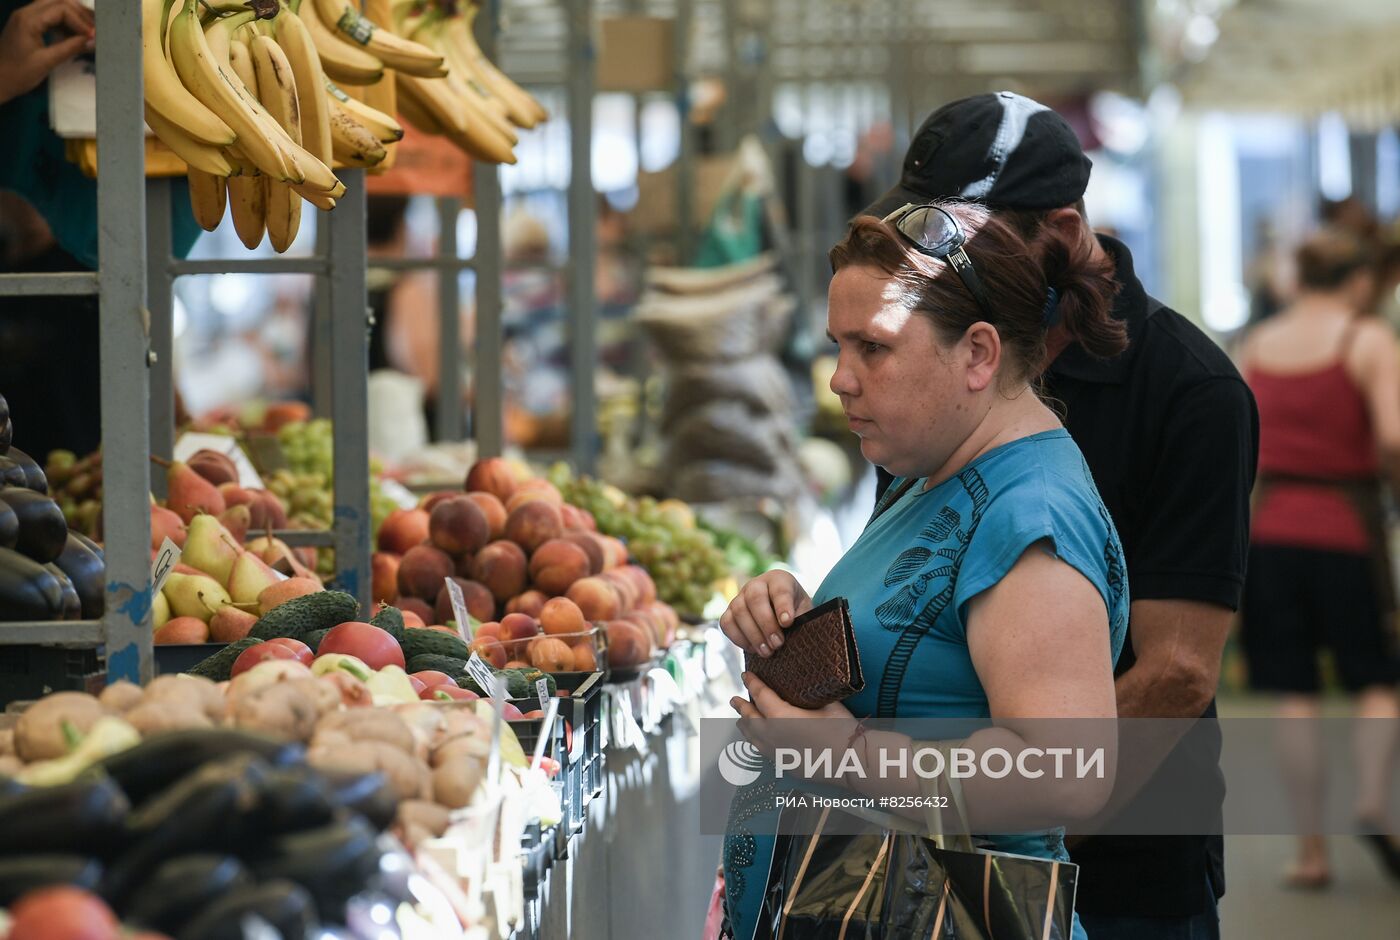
[
  {"x": 349, "y": 367},
  {"x": 320, "y": 358},
  {"x": 161, "y": 303},
  {"x": 685, "y": 163},
  {"x": 124, "y": 342},
  {"x": 488, "y": 384},
  {"x": 449, "y": 387},
  {"x": 582, "y": 245}
]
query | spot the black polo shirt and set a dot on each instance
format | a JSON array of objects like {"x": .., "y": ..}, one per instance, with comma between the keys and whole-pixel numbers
[{"x": 1171, "y": 435}]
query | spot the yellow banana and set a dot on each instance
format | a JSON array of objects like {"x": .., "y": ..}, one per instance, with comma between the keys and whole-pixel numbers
[
  {"x": 353, "y": 143},
  {"x": 342, "y": 60},
  {"x": 381, "y": 97},
  {"x": 212, "y": 82},
  {"x": 310, "y": 78},
  {"x": 247, "y": 202},
  {"x": 489, "y": 75},
  {"x": 384, "y": 128},
  {"x": 398, "y": 53},
  {"x": 447, "y": 36},
  {"x": 419, "y": 117},
  {"x": 465, "y": 129},
  {"x": 207, "y": 198},
  {"x": 198, "y": 155},
  {"x": 278, "y": 92},
  {"x": 164, "y": 93}
]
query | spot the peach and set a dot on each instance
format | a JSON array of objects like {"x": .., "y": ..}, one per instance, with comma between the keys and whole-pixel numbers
[
  {"x": 490, "y": 628},
  {"x": 628, "y": 644},
  {"x": 596, "y": 598},
  {"x": 384, "y": 572},
  {"x": 561, "y": 615},
  {"x": 429, "y": 502},
  {"x": 416, "y": 613},
  {"x": 502, "y": 567},
  {"x": 641, "y": 578},
  {"x": 523, "y": 496},
  {"x": 268, "y": 513},
  {"x": 492, "y": 475},
  {"x": 532, "y": 524},
  {"x": 490, "y": 650},
  {"x": 531, "y": 602},
  {"x": 494, "y": 510},
  {"x": 551, "y": 655},
  {"x": 235, "y": 495},
  {"x": 557, "y": 564},
  {"x": 422, "y": 570},
  {"x": 403, "y": 529},
  {"x": 590, "y": 547},
  {"x": 616, "y": 551},
  {"x": 458, "y": 526},
  {"x": 479, "y": 602},
  {"x": 585, "y": 658},
  {"x": 516, "y": 629},
  {"x": 541, "y": 485},
  {"x": 626, "y": 590}
]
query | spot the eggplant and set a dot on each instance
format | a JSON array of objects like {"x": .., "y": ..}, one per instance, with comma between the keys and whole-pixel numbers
[
  {"x": 89, "y": 544},
  {"x": 292, "y": 799},
  {"x": 9, "y": 526},
  {"x": 72, "y": 605},
  {"x": 12, "y": 472},
  {"x": 182, "y": 887},
  {"x": 86, "y": 569},
  {"x": 23, "y": 873},
  {"x": 86, "y": 817},
  {"x": 285, "y": 907},
  {"x": 34, "y": 477},
  {"x": 42, "y": 529},
  {"x": 149, "y": 767},
  {"x": 9, "y": 786},
  {"x": 28, "y": 591},
  {"x": 369, "y": 795},
  {"x": 333, "y": 862},
  {"x": 6, "y": 429},
  {"x": 200, "y": 813}
]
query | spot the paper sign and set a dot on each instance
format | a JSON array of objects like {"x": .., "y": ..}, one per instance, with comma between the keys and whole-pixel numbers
[
  {"x": 542, "y": 693},
  {"x": 481, "y": 673},
  {"x": 193, "y": 442},
  {"x": 166, "y": 559},
  {"x": 459, "y": 609},
  {"x": 497, "y": 689},
  {"x": 550, "y": 711}
]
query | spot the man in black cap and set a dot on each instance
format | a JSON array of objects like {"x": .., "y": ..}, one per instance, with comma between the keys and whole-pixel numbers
[{"x": 1171, "y": 434}]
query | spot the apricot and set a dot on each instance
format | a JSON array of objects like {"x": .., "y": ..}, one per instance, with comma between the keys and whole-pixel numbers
[
  {"x": 585, "y": 658},
  {"x": 551, "y": 655},
  {"x": 562, "y": 616},
  {"x": 596, "y": 598},
  {"x": 557, "y": 564}
]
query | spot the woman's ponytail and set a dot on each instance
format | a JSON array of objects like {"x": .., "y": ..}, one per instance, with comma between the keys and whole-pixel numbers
[{"x": 1085, "y": 287}]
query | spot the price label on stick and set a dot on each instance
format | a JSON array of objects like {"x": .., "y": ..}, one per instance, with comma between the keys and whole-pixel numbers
[
  {"x": 482, "y": 675},
  {"x": 550, "y": 711},
  {"x": 166, "y": 560},
  {"x": 542, "y": 693},
  {"x": 497, "y": 688},
  {"x": 459, "y": 609}
]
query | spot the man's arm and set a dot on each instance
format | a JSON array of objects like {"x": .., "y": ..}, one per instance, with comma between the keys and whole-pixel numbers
[{"x": 1178, "y": 645}]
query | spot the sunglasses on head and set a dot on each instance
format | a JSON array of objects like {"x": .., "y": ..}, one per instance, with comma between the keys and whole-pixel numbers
[{"x": 934, "y": 232}]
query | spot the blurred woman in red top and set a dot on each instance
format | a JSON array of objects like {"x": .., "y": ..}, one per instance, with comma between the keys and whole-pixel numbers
[{"x": 1326, "y": 377}]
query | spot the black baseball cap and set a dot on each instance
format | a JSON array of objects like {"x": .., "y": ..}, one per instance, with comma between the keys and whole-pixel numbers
[{"x": 1001, "y": 149}]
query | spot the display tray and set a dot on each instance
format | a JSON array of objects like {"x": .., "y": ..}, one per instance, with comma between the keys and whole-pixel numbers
[
  {"x": 575, "y": 682},
  {"x": 626, "y": 674},
  {"x": 181, "y": 657}
]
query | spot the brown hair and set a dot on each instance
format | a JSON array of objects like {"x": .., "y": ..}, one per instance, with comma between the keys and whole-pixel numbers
[
  {"x": 1331, "y": 255},
  {"x": 1017, "y": 273}
]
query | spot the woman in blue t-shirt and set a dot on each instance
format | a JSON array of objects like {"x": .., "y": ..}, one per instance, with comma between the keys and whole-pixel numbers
[{"x": 990, "y": 583}]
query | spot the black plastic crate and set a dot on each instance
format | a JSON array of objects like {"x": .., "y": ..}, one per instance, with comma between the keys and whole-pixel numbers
[
  {"x": 182, "y": 657},
  {"x": 30, "y": 672},
  {"x": 536, "y": 855}
]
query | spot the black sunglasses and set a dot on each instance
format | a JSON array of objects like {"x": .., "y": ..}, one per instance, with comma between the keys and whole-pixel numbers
[{"x": 935, "y": 232}]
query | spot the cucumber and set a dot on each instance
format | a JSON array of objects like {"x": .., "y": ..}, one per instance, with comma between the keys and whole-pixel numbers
[
  {"x": 390, "y": 620},
  {"x": 449, "y": 664},
  {"x": 314, "y": 638},
  {"x": 422, "y": 642},
  {"x": 303, "y": 615},
  {"x": 218, "y": 666}
]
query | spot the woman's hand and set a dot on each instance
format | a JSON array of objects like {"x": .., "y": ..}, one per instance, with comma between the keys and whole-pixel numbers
[
  {"x": 758, "y": 615},
  {"x": 830, "y": 726}
]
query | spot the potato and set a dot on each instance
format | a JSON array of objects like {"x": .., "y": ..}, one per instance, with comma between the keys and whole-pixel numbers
[
  {"x": 10, "y": 765},
  {"x": 475, "y": 746},
  {"x": 425, "y": 720},
  {"x": 326, "y": 697},
  {"x": 121, "y": 696},
  {"x": 39, "y": 735},
  {"x": 455, "y": 782},
  {"x": 7, "y": 742},
  {"x": 430, "y": 816},
  {"x": 196, "y": 692},
  {"x": 408, "y": 777},
  {"x": 373, "y": 724},
  {"x": 154, "y": 717},
  {"x": 282, "y": 710}
]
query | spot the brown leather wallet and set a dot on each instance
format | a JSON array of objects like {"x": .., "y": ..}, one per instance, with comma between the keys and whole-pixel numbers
[{"x": 818, "y": 662}]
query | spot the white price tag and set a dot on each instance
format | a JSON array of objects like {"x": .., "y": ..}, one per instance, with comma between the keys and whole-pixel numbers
[
  {"x": 542, "y": 693},
  {"x": 459, "y": 609},
  {"x": 166, "y": 559},
  {"x": 497, "y": 690},
  {"x": 547, "y": 726},
  {"x": 481, "y": 674}
]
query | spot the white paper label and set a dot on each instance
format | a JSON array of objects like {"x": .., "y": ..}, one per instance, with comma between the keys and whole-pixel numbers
[
  {"x": 459, "y": 610},
  {"x": 166, "y": 559},
  {"x": 542, "y": 693},
  {"x": 481, "y": 674},
  {"x": 547, "y": 726},
  {"x": 193, "y": 442}
]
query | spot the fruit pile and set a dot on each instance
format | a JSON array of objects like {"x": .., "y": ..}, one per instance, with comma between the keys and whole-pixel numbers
[
  {"x": 305, "y": 484},
  {"x": 532, "y": 570},
  {"x": 47, "y": 572},
  {"x": 245, "y": 94},
  {"x": 663, "y": 536}
]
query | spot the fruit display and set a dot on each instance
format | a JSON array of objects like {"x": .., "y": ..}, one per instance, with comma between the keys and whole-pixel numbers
[
  {"x": 683, "y": 558},
  {"x": 47, "y": 571}
]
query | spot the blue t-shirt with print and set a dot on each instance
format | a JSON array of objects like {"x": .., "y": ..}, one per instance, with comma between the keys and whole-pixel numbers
[{"x": 908, "y": 580}]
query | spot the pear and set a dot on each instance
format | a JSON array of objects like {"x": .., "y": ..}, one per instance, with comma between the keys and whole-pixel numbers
[
  {"x": 160, "y": 610},
  {"x": 195, "y": 595},
  {"x": 229, "y": 624},
  {"x": 237, "y": 519},
  {"x": 250, "y": 577},
  {"x": 211, "y": 548},
  {"x": 188, "y": 493},
  {"x": 284, "y": 591},
  {"x": 166, "y": 524}
]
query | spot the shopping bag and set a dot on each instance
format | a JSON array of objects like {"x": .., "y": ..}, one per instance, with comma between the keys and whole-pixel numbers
[{"x": 844, "y": 881}]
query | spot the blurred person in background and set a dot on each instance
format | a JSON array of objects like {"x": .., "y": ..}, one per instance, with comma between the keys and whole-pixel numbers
[{"x": 1326, "y": 375}]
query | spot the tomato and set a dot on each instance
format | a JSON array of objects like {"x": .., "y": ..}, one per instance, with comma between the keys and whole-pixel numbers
[
  {"x": 447, "y": 693},
  {"x": 419, "y": 686},
  {"x": 62, "y": 914},
  {"x": 376, "y": 648},
  {"x": 432, "y": 678},
  {"x": 511, "y": 713},
  {"x": 532, "y": 714},
  {"x": 260, "y": 654},
  {"x": 304, "y": 652}
]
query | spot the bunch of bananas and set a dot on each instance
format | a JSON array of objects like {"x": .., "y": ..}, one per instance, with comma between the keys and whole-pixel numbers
[{"x": 238, "y": 91}]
